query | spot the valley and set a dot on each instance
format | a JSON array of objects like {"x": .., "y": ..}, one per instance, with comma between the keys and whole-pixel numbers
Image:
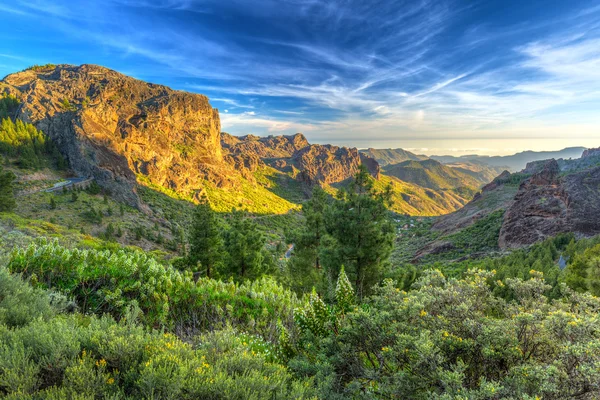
[{"x": 147, "y": 251}]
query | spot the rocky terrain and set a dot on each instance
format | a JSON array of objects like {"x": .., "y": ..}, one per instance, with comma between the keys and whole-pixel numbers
[
  {"x": 548, "y": 203},
  {"x": 113, "y": 127},
  {"x": 119, "y": 130},
  {"x": 546, "y": 198}
]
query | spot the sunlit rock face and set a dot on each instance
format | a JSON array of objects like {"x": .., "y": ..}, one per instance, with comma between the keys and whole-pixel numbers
[{"x": 113, "y": 127}]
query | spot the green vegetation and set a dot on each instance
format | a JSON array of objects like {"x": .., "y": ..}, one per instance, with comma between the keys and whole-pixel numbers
[
  {"x": 352, "y": 230},
  {"x": 360, "y": 234},
  {"x": 30, "y": 146},
  {"x": 216, "y": 311},
  {"x": 452, "y": 339},
  {"x": 8, "y": 105},
  {"x": 206, "y": 242},
  {"x": 45, "y": 352},
  {"x": 7, "y": 196},
  {"x": 40, "y": 68}
]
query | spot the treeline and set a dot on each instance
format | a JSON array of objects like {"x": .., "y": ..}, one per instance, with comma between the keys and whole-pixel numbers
[{"x": 30, "y": 146}]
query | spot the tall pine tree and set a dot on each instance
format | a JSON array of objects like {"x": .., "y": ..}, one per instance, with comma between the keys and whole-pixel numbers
[
  {"x": 305, "y": 266},
  {"x": 206, "y": 243},
  {"x": 361, "y": 234},
  {"x": 244, "y": 246}
]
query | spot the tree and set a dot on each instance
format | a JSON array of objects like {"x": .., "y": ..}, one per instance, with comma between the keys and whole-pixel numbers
[
  {"x": 52, "y": 203},
  {"x": 7, "y": 195},
  {"x": 244, "y": 246},
  {"x": 305, "y": 266},
  {"x": 361, "y": 234},
  {"x": 206, "y": 243}
]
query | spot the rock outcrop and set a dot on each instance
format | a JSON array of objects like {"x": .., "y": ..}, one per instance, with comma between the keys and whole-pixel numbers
[
  {"x": 591, "y": 153},
  {"x": 548, "y": 203},
  {"x": 113, "y": 127},
  {"x": 312, "y": 164},
  {"x": 328, "y": 164}
]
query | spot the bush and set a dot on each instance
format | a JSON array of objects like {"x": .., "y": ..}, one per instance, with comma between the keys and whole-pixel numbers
[{"x": 112, "y": 281}]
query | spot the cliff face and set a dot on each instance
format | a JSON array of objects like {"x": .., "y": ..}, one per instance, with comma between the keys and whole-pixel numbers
[
  {"x": 331, "y": 164},
  {"x": 312, "y": 164},
  {"x": 591, "y": 153},
  {"x": 547, "y": 204},
  {"x": 112, "y": 127}
]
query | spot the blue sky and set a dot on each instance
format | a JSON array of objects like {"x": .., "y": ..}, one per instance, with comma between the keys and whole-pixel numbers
[{"x": 434, "y": 76}]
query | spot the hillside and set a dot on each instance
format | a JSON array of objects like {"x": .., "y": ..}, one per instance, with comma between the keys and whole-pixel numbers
[
  {"x": 392, "y": 156},
  {"x": 124, "y": 133},
  {"x": 434, "y": 175},
  {"x": 543, "y": 200}
]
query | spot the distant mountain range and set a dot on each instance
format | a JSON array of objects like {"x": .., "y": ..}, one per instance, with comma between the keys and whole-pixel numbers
[
  {"x": 515, "y": 162},
  {"x": 392, "y": 156}
]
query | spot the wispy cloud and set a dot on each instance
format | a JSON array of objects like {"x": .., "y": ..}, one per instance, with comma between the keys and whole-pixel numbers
[{"x": 349, "y": 69}]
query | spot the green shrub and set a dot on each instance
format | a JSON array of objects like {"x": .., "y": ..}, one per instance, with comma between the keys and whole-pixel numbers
[{"x": 112, "y": 281}]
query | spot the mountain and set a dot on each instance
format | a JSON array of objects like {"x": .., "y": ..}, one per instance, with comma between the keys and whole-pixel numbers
[
  {"x": 544, "y": 199},
  {"x": 125, "y": 133},
  {"x": 515, "y": 162},
  {"x": 113, "y": 127},
  {"x": 122, "y": 132},
  {"x": 392, "y": 156},
  {"x": 433, "y": 175},
  {"x": 481, "y": 171},
  {"x": 311, "y": 164}
]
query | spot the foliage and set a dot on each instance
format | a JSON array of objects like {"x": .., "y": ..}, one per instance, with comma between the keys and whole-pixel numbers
[
  {"x": 39, "y": 68},
  {"x": 113, "y": 281},
  {"x": 206, "y": 242},
  {"x": 29, "y": 145},
  {"x": 452, "y": 338},
  {"x": 583, "y": 272},
  {"x": 244, "y": 246},
  {"x": 7, "y": 196},
  {"x": 305, "y": 267},
  {"x": 47, "y": 354},
  {"x": 8, "y": 105},
  {"x": 360, "y": 233}
]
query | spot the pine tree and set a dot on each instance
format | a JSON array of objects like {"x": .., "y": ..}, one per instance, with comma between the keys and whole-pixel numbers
[
  {"x": 52, "y": 203},
  {"x": 361, "y": 234},
  {"x": 244, "y": 246},
  {"x": 7, "y": 196},
  {"x": 206, "y": 243},
  {"x": 305, "y": 265}
]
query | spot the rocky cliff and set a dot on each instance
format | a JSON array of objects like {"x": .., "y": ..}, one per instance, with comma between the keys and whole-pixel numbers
[
  {"x": 113, "y": 127},
  {"x": 591, "y": 153},
  {"x": 548, "y": 203},
  {"x": 312, "y": 164}
]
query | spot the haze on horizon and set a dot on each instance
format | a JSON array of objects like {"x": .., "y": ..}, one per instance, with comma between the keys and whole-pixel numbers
[{"x": 434, "y": 77}]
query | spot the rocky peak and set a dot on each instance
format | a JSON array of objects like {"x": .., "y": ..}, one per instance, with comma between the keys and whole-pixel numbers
[
  {"x": 330, "y": 164},
  {"x": 591, "y": 152},
  {"x": 113, "y": 127},
  {"x": 548, "y": 175}
]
